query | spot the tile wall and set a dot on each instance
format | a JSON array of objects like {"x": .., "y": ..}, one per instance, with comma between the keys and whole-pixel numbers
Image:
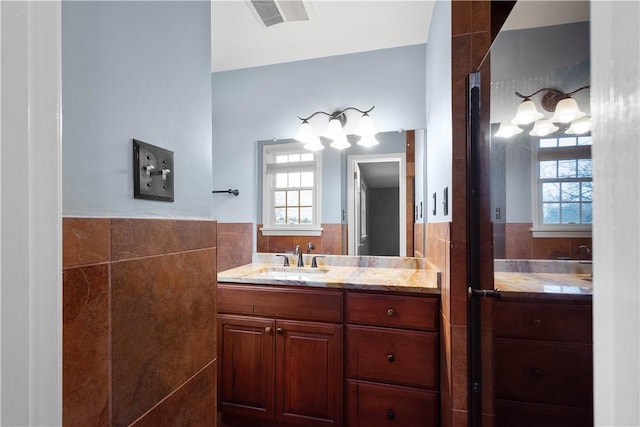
[
  {"x": 331, "y": 242},
  {"x": 139, "y": 330}
]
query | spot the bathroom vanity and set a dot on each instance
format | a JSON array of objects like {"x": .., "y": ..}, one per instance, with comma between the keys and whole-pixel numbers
[
  {"x": 543, "y": 363},
  {"x": 354, "y": 342}
]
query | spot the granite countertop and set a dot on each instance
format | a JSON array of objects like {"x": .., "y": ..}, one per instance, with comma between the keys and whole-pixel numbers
[
  {"x": 543, "y": 277},
  {"x": 400, "y": 274}
]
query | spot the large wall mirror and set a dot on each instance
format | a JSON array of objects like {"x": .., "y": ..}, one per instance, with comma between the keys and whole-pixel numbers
[
  {"x": 540, "y": 163},
  {"x": 369, "y": 198}
]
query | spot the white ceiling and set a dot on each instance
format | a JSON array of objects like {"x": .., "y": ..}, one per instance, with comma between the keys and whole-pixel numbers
[
  {"x": 336, "y": 27},
  {"x": 240, "y": 40}
]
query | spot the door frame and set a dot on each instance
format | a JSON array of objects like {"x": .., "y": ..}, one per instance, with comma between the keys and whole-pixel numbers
[{"x": 401, "y": 158}]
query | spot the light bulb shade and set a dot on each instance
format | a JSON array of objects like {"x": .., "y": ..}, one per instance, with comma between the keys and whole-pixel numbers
[
  {"x": 314, "y": 145},
  {"x": 543, "y": 128},
  {"x": 579, "y": 126},
  {"x": 566, "y": 111},
  {"x": 507, "y": 130},
  {"x": 305, "y": 133},
  {"x": 334, "y": 130},
  {"x": 526, "y": 113},
  {"x": 365, "y": 126},
  {"x": 340, "y": 143},
  {"x": 368, "y": 141}
]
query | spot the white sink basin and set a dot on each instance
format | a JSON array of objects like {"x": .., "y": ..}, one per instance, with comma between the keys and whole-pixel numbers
[{"x": 293, "y": 273}]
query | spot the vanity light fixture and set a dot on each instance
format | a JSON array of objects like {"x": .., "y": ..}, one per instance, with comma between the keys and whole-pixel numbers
[
  {"x": 564, "y": 108},
  {"x": 335, "y": 130}
]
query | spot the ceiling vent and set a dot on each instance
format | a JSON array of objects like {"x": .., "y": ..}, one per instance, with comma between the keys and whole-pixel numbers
[{"x": 270, "y": 12}]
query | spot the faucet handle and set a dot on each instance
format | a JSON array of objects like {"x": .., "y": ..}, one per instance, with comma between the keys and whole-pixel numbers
[
  {"x": 286, "y": 260},
  {"x": 314, "y": 263},
  {"x": 296, "y": 250},
  {"x": 310, "y": 246}
]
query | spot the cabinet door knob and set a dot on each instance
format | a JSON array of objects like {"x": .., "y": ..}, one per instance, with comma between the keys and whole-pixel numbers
[
  {"x": 537, "y": 322},
  {"x": 267, "y": 329},
  {"x": 390, "y": 358},
  {"x": 279, "y": 331},
  {"x": 537, "y": 372},
  {"x": 391, "y": 312},
  {"x": 391, "y": 415}
]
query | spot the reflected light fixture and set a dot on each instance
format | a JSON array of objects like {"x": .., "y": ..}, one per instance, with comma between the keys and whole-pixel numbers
[
  {"x": 335, "y": 132},
  {"x": 507, "y": 130},
  {"x": 564, "y": 108},
  {"x": 579, "y": 126}
]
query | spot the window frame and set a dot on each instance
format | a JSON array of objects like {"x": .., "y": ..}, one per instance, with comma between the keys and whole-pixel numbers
[
  {"x": 566, "y": 230},
  {"x": 269, "y": 228}
]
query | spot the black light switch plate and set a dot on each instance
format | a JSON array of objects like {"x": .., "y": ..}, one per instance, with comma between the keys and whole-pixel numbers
[{"x": 152, "y": 172}]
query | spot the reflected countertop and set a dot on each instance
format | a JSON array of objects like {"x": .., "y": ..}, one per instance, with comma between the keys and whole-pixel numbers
[
  {"x": 544, "y": 277},
  {"x": 340, "y": 272},
  {"x": 544, "y": 283}
]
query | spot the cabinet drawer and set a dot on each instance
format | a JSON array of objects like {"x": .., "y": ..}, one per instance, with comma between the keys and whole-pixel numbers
[
  {"x": 519, "y": 414},
  {"x": 392, "y": 311},
  {"x": 387, "y": 355},
  {"x": 544, "y": 321},
  {"x": 373, "y": 405},
  {"x": 289, "y": 303},
  {"x": 543, "y": 372}
]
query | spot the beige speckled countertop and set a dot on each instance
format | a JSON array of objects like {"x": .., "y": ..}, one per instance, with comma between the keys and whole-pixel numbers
[
  {"x": 336, "y": 271},
  {"x": 543, "y": 277}
]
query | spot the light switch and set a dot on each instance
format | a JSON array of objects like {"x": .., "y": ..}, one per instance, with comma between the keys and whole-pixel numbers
[{"x": 152, "y": 172}]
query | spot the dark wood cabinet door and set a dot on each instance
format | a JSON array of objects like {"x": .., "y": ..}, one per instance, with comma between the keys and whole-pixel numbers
[
  {"x": 246, "y": 366},
  {"x": 309, "y": 373}
]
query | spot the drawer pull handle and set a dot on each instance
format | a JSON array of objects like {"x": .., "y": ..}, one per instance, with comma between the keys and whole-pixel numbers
[
  {"x": 391, "y": 312},
  {"x": 537, "y": 372},
  {"x": 537, "y": 322},
  {"x": 390, "y": 358},
  {"x": 279, "y": 331},
  {"x": 267, "y": 329},
  {"x": 391, "y": 415}
]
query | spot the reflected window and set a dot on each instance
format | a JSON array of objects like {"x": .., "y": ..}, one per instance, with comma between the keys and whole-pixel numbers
[
  {"x": 564, "y": 176},
  {"x": 290, "y": 190}
]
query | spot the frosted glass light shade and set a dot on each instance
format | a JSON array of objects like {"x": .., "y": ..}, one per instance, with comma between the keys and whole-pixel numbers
[
  {"x": 526, "y": 113},
  {"x": 305, "y": 133},
  {"x": 566, "y": 111},
  {"x": 368, "y": 141},
  {"x": 579, "y": 126},
  {"x": 365, "y": 126},
  {"x": 507, "y": 130},
  {"x": 543, "y": 128},
  {"x": 314, "y": 145},
  {"x": 340, "y": 143},
  {"x": 334, "y": 130}
]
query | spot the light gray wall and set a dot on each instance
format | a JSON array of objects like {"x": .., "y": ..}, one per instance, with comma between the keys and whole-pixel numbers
[
  {"x": 135, "y": 70},
  {"x": 439, "y": 118},
  {"x": 255, "y": 104}
]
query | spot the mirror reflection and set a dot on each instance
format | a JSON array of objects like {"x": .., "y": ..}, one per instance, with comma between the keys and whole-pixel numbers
[
  {"x": 541, "y": 202},
  {"x": 363, "y": 202}
]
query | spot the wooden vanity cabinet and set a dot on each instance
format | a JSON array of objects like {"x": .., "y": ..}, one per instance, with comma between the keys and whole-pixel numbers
[
  {"x": 392, "y": 360},
  {"x": 280, "y": 356},
  {"x": 543, "y": 363}
]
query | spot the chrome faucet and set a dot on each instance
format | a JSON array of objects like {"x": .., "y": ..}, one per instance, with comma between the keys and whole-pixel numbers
[{"x": 298, "y": 252}]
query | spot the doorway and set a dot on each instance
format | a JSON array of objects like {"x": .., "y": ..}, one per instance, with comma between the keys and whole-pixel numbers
[{"x": 376, "y": 194}]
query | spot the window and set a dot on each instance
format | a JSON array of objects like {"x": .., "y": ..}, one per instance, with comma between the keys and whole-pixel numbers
[
  {"x": 290, "y": 190},
  {"x": 564, "y": 186}
]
